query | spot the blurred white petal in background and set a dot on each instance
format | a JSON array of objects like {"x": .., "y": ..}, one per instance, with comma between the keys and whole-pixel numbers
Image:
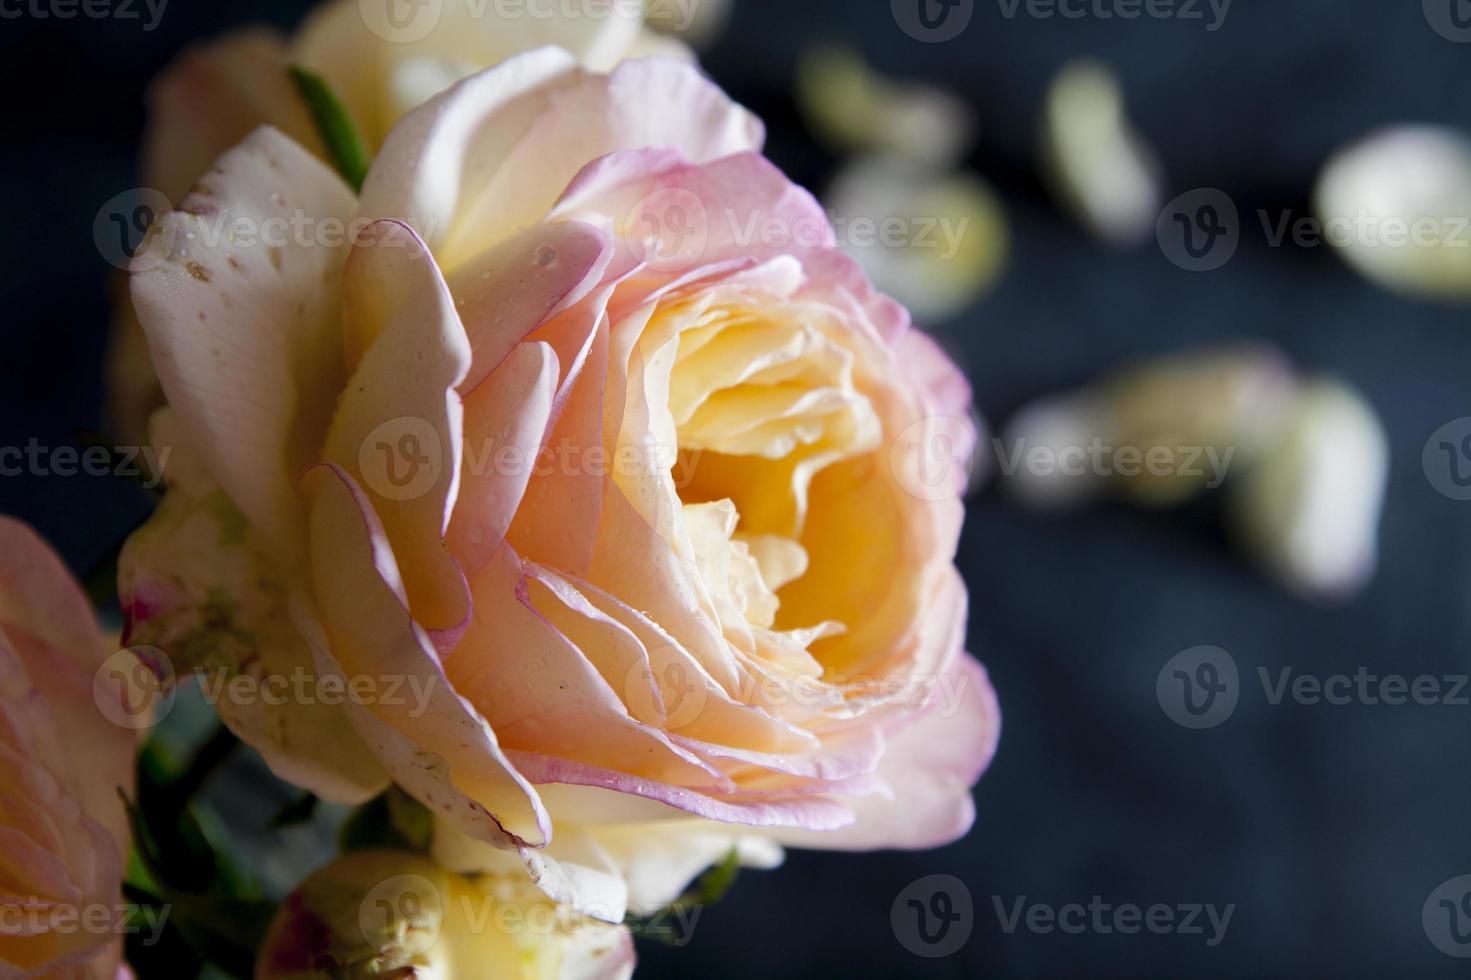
[
  {"x": 855, "y": 110},
  {"x": 1310, "y": 511},
  {"x": 1398, "y": 207},
  {"x": 1202, "y": 415},
  {"x": 934, "y": 243},
  {"x": 1101, "y": 168}
]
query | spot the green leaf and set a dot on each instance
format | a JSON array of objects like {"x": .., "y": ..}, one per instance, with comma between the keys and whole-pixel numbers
[
  {"x": 412, "y": 820},
  {"x": 219, "y": 926},
  {"x": 339, "y": 133},
  {"x": 716, "y": 883}
]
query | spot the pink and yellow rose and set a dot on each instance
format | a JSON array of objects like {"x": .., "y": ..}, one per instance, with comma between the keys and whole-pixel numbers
[
  {"x": 591, "y": 432},
  {"x": 63, "y": 831},
  {"x": 383, "y": 56}
]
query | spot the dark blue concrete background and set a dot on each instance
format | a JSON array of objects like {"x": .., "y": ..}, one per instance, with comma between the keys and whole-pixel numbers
[{"x": 1327, "y": 827}]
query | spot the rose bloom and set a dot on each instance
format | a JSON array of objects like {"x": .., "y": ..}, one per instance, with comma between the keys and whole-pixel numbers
[
  {"x": 63, "y": 831},
  {"x": 646, "y": 500},
  {"x": 388, "y": 913},
  {"x": 216, "y": 93}
]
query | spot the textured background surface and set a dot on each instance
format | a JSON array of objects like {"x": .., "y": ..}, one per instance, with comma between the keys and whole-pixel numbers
[{"x": 1327, "y": 827}]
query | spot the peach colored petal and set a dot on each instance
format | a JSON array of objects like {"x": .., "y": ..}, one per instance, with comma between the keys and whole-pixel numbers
[
  {"x": 39, "y": 595},
  {"x": 506, "y": 424},
  {"x": 448, "y": 755},
  {"x": 511, "y": 289},
  {"x": 540, "y": 692},
  {"x": 636, "y": 799},
  {"x": 931, "y": 766},
  {"x": 401, "y": 409}
]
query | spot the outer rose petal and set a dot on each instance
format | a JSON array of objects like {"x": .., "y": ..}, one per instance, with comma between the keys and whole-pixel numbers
[
  {"x": 441, "y": 750},
  {"x": 510, "y": 413},
  {"x": 399, "y": 313},
  {"x": 930, "y": 766},
  {"x": 38, "y": 594},
  {"x": 493, "y": 154},
  {"x": 245, "y": 337},
  {"x": 63, "y": 833}
]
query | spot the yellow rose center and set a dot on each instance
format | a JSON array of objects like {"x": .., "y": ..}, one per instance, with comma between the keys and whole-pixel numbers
[{"x": 759, "y": 400}]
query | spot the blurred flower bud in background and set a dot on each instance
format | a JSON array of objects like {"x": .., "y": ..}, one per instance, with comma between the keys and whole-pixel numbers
[
  {"x": 1310, "y": 510},
  {"x": 1398, "y": 207},
  {"x": 1221, "y": 405},
  {"x": 1099, "y": 166},
  {"x": 1306, "y": 462},
  {"x": 855, "y": 110},
  {"x": 936, "y": 244}
]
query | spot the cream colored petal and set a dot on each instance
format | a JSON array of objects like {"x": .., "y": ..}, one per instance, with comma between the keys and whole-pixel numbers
[{"x": 242, "y": 320}]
